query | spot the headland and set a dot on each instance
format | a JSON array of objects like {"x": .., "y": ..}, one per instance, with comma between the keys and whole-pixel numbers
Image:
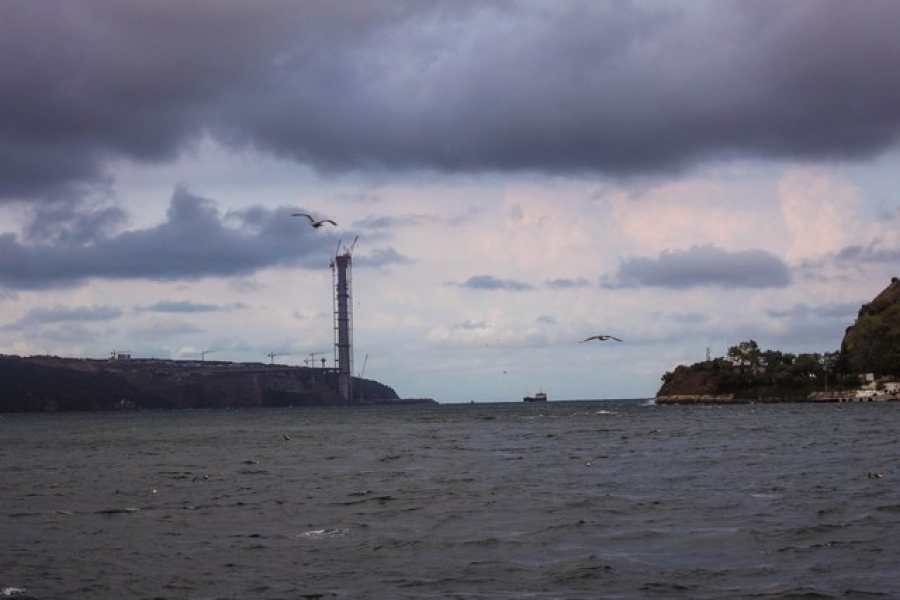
[
  {"x": 866, "y": 368},
  {"x": 51, "y": 383}
]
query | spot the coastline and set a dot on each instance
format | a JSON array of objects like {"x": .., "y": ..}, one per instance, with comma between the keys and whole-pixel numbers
[{"x": 816, "y": 397}]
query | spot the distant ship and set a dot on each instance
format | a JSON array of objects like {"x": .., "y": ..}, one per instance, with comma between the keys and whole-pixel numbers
[{"x": 539, "y": 397}]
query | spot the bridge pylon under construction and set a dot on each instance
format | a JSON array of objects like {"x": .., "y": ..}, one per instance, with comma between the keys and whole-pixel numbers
[{"x": 342, "y": 276}]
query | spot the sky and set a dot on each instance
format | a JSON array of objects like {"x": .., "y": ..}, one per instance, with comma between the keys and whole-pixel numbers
[{"x": 511, "y": 177}]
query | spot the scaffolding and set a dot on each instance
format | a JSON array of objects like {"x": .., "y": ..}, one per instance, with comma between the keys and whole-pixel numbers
[{"x": 341, "y": 271}]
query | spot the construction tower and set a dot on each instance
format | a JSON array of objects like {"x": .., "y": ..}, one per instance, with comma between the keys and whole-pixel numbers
[{"x": 341, "y": 270}]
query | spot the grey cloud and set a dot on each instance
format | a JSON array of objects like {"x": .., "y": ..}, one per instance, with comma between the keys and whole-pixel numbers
[
  {"x": 844, "y": 312},
  {"x": 245, "y": 286},
  {"x": 380, "y": 222},
  {"x": 689, "y": 318},
  {"x": 67, "y": 333},
  {"x": 566, "y": 87},
  {"x": 184, "y": 306},
  {"x": 381, "y": 257},
  {"x": 702, "y": 266},
  {"x": 165, "y": 330},
  {"x": 472, "y": 324},
  {"x": 868, "y": 254},
  {"x": 394, "y": 221},
  {"x": 361, "y": 197},
  {"x": 390, "y": 222},
  {"x": 73, "y": 222},
  {"x": 194, "y": 241},
  {"x": 65, "y": 314},
  {"x": 565, "y": 284},
  {"x": 805, "y": 324},
  {"x": 488, "y": 282}
]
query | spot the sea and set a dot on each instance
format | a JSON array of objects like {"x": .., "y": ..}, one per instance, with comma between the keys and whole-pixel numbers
[{"x": 567, "y": 500}]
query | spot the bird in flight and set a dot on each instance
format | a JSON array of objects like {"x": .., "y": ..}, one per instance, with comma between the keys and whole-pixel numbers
[
  {"x": 312, "y": 221},
  {"x": 601, "y": 338}
]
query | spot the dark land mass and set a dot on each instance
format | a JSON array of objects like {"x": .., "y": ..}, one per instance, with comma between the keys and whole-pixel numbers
[
  {"x": 48, "y": 383},
  {"x": 869, "y": 355}
]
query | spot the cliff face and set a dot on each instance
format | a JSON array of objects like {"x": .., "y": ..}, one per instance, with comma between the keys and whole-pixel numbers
[
  {"x": 686, "y": 381},
  {"x": 52, "y": 383},
  {"x": 872, "y": 343}
]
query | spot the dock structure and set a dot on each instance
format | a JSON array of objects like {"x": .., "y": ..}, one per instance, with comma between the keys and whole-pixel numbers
[{"x": 341, "y": 268}]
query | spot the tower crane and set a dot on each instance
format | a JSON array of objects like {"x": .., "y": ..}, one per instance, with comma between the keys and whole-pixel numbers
[
  {"x": 273, "y": 354},
  {"x": 311, "y": 361}
]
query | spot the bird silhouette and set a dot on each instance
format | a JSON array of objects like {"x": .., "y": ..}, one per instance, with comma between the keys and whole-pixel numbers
[
  {"x": 312, "y": 221},
  {"x": 601, "y": 338}
]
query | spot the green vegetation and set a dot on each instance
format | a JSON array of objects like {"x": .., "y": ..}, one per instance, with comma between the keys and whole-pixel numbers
[
  {"x": 750, "y": 372},
  {"x": 871, "y": 345}
]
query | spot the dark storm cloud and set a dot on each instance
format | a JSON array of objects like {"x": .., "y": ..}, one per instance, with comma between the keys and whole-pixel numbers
[
  {"x": 90, "y": 80},
  {"x": 702, "y": 266},
  {"x": 491, "y": 283},
  {"x": 195, "y": 241},
  {"x": 579, "y": 86}
]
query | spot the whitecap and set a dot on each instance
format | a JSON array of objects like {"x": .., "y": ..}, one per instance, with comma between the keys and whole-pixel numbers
[{"x": 318, "y": 534}]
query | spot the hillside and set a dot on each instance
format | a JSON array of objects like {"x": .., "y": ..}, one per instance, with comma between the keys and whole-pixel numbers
[
  {"x": 871, "y": 345},
  {"x": 45, "y": 383}
]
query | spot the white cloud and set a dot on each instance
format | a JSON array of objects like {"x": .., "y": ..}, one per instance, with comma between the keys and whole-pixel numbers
[
  {"x": 822, "y": 213},
  {"x": 732, "y": 210}
]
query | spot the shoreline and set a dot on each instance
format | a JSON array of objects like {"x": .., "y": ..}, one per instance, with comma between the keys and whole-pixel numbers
[{"x": 816, "y": 397}]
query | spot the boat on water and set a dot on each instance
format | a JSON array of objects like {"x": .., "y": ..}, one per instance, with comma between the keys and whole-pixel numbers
[{"x": 539, "y": 397}]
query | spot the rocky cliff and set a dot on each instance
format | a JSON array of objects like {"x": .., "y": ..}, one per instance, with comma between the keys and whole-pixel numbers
[{"x": 44, "y": 383}]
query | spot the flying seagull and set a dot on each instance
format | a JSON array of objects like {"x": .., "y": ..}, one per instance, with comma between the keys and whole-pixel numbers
[
  {"x": 312, "y": 221},
  {"x": 601, "y": 338}
]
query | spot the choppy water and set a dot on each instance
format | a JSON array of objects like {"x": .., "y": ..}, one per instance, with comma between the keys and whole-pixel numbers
[{"x": 566, "y": 500}]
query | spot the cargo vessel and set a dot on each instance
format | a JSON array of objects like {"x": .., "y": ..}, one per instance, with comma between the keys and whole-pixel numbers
[{"x": 539, "y": 397}]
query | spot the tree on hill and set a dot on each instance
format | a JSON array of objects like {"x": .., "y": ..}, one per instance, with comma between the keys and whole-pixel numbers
[
  {"x": 748, "y": 371},
  {"x": 870, "y": 345},
  {"x": 745, "y": 356}
]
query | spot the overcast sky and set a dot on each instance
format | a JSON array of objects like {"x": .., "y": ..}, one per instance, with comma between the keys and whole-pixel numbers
[{"x": 516, "y": 176}]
